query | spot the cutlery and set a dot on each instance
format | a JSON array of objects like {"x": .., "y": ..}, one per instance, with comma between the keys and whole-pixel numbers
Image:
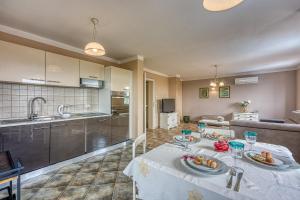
[
  {"x": 238, "y": 182},
  {"x": 232, "y": 174}
]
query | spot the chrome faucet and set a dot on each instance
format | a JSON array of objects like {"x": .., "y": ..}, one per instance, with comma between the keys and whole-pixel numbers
[{"x": 32, "y": 114}]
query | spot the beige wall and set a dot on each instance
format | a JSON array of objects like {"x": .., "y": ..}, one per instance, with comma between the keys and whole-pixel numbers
[
  {"x": 137, "y": 67},
  {"x": 175, "y": 91},
  {"x": 161, "y": 85},
  {"x": 274, "y": 96},
  {"x": 161, "y": 91},
  {"x": 298, "y": 89}
]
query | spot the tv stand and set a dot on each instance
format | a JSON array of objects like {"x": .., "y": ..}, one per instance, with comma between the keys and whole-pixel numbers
[{"x": 168, "y": 120}]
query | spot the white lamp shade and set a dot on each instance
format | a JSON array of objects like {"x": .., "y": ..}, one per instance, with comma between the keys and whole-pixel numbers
[
  {"x": 94, "y": 49},
  {"x": 213, "y": 84},
  {"x": 219, "y": 5}
]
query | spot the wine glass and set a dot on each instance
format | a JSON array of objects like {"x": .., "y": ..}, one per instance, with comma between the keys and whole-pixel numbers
[
  {"x": 250, "y": 137},
  {"x": 236, "y": 150}
]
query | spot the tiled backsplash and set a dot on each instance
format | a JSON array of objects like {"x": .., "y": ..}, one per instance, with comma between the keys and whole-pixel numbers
[{"x": 14, "y": 99}]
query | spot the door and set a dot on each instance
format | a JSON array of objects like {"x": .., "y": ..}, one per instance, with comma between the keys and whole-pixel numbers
[
  {"x": 91, "y": 70},
  {"x": 150, "y": 108},
  {"x": 120, "y": 128},
  {"x": 28, "y": 143},
  {"x": 98, "y": 133},
  {"x": 21, "y": 64},
  {"x": 67, "y": 140},
  {"x": 62, "y": 70}
]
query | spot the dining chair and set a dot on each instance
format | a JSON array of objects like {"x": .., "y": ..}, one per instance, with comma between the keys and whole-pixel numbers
[
  {"x": 9, "y": 172},
  {"x": 139, "y": 140}
]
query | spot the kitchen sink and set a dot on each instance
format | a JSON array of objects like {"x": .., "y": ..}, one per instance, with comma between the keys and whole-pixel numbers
[
  {"x": 49, "y": 118},
  {"x": 40, "y": 119}
]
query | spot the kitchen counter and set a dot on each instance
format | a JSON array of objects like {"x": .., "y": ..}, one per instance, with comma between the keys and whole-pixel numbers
[{"x": 49, "y": 119}]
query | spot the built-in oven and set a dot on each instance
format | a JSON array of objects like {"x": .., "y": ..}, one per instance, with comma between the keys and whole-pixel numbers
[
  {"x": 119, "y": 102},
  {"x": 120, "y": 116}
]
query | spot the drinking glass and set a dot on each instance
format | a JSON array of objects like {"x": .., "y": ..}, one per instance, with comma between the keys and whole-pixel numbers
[
  {"x": 250, "y": 137},
  {"x": 236, "y": 150},
  {"x": 185, "y": 132},
  {"x": 201, "y": 128}
]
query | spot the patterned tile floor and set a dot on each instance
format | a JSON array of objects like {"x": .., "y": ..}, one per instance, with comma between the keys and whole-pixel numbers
[{"x": 96, "y": 178}]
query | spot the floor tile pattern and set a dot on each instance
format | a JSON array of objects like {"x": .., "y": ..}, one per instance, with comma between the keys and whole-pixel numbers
[{"x": 97, "y": 178}]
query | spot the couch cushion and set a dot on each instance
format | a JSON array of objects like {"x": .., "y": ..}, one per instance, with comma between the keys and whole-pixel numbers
[
  {"x": 295, "y": 116},
  {"x": 266, "y": 125}
]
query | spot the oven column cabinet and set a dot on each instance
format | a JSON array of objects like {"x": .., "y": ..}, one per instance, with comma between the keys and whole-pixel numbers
[
  {"x": 119, "y": 128},
  {"x": 116, "y": 79},
  {"x": 62, "y": 70},
  {"x": 29, "y": 143},
  {"x": 21, "y": 64},
  {"x": 91, "y": 70},
  {"x": 98, "y": 133},
  {"x": 67, "y": 140}
]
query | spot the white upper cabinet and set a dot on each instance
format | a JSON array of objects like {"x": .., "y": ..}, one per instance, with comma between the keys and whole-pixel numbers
[
  {"x": 62, "y": 70},
  {"x": 21, "y": 64},
  {"x": 91, "y": 70},
  {"x": 120, "y": 79}
]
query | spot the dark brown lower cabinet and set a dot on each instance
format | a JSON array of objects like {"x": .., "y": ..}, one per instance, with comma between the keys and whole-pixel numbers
[
  {"x": 28, "y": 143},
  {"x": 119, "y": 128},
  {"x": 67, "y": 140},
  {"x": 97, "y": 133}
]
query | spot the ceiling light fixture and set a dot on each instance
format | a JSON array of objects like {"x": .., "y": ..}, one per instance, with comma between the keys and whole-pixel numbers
[
  {"x": 220, "y": 5},
  {"x": 94, "y": 48},
  {"x": 216, "y": 82}
]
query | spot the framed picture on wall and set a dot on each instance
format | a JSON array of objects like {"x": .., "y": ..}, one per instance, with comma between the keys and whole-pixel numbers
[
  {"x": 224, "y": 92},
  {"x": 204, "y": 93}
]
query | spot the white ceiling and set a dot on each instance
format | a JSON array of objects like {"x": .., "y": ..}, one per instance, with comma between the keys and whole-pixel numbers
[{"x": 174, "y": 36}]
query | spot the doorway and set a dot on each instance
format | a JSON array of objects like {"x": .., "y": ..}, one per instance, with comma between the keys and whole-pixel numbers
[{"x": 150, "y": 106}]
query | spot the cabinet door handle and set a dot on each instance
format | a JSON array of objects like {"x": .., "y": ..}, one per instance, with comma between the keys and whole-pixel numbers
[
  {"x": 53, "y": 81},
  {"x": 60, "y": 125},
  {"x": 36, "y": 79},
  {"x": 93, "y": 76},
  {"x": 102, "y": 120},
  {"x": 40, "y": 128}
]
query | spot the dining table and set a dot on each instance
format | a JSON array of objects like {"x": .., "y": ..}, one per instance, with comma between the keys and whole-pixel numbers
[{"x": 160, "y": 175}]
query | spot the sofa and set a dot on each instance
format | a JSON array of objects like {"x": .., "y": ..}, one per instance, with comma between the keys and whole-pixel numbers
[{"x": 285, "y": 134}]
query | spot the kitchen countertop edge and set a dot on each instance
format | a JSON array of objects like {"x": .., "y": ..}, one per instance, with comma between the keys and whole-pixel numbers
[{"x": 52, "y": 121}]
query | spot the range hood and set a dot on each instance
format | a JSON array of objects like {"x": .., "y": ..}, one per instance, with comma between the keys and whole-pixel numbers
[{"x": 91, "y": 83}]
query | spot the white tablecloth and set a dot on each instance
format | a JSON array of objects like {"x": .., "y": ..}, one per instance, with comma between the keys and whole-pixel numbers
[{"x": 160, "y": 176}]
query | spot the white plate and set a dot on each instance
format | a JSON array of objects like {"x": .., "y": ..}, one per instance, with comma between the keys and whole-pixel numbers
[
  {"x": 180, "y": 138},
  {"x": 279, "y": 163},
  {"x": 190, "y": 162},
  {"x": 223, "y": 168}
]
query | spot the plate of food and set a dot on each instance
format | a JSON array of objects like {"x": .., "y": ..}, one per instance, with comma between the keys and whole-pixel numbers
[
  {"x": 266, "y": 159},
  {"x": 204, "y": 165},
  {"x": 186, "y": 138},
  {"x": 215, "y": 136}
]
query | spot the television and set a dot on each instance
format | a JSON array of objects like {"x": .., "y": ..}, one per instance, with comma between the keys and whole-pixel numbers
[{"x": 168, "y": 105}]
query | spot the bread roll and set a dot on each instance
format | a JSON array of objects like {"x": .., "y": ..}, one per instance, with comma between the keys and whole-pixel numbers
[{"x": 213, "y": 164}]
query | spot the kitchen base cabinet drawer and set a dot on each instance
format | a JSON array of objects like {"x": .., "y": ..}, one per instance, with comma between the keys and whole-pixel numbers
[
  {"x": 67, "y": 140},
  {"x": 28, "y": 143},
  {"x": 119, "y": 129},
  {"x": 97, "y": 133}
]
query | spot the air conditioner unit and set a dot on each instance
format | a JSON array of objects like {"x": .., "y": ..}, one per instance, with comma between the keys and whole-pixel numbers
[{"x": 246, "y": 80}]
